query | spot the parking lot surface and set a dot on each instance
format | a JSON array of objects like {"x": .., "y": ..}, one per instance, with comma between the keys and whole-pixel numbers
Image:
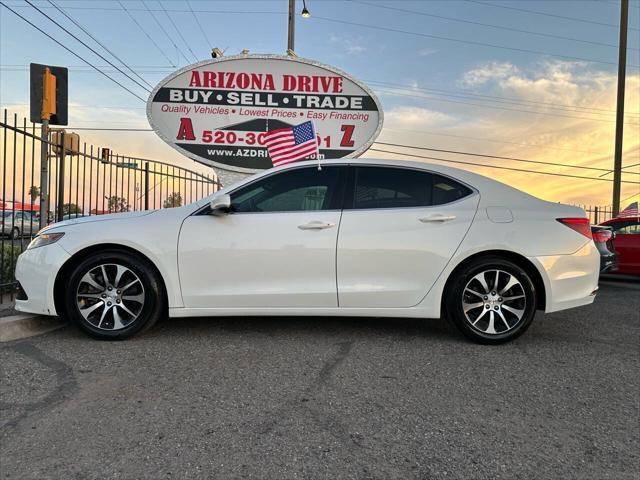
[{"x": 279, "y": 398}]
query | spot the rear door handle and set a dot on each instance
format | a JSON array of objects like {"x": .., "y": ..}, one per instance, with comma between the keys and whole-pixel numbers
[
  {"x": 316, "y": 225},
  {"x": 437, "y": 218}
]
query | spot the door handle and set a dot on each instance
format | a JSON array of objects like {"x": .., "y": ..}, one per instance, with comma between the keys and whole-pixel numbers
[
  {"x": 437, "y": 218},
  {"x": 316, "y": 225}
]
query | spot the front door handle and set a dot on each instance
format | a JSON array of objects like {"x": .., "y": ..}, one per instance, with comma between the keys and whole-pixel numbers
[
  {"x": 316, "y": 225},
  {"x": 437, "y": 218}
]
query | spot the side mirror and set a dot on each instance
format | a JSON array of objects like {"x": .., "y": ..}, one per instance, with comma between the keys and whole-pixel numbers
[{"x": 220, "y": 205}]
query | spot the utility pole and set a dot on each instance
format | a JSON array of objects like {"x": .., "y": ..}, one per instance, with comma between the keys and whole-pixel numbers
[
  {"x": 292, "y": 26},
  {"x": 622, "y": 67}
]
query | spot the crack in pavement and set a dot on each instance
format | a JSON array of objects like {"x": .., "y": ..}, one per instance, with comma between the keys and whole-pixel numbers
[{"x": 65, "y": 385}]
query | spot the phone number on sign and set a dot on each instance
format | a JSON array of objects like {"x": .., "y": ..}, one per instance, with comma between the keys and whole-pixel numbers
[{"x": 228, "y": 137}]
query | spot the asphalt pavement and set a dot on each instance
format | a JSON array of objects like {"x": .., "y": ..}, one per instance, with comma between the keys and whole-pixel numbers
[{"x": 329, "y": 398}]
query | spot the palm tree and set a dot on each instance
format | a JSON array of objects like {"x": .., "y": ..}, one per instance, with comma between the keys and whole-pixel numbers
[{"x": 34, "y": 192}]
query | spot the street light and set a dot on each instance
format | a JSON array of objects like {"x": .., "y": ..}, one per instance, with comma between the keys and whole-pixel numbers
[{"x": 305, "y": 13}]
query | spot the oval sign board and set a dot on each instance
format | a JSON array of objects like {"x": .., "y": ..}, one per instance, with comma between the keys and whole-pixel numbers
[{"x": 218, "y": 111}]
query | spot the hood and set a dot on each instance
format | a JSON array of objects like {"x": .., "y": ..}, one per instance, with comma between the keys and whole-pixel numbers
[{"x": 99, "y": 218}]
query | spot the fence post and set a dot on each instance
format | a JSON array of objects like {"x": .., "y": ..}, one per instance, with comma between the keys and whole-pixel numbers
[
  {"x": 61, "y": 180},
  {"x": 596, "y": 214},
  {"x": 44, "y": 172},
  {"x": 146, "y": 185}
]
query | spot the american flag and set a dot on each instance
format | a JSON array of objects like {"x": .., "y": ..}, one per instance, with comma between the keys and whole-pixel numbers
[
  {"x": 630, "y": 211},
  {"x": 286, "y": 145}
]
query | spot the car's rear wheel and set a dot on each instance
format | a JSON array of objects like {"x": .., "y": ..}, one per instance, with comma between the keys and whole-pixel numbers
[
  {"x": 15, "y": 233},
  {"x": 492, "y": 301},
  {"x": 114, "y": 295}
]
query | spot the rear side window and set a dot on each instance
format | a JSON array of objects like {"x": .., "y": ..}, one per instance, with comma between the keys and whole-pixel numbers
[
  {"x": 446, "y": 190},
  {"x": 385, "y": 187}
]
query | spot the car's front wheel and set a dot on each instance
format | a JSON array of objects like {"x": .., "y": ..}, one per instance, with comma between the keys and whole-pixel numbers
[
  {"x": 492, "y": 301},
  {"x": 114, "y": 295}
]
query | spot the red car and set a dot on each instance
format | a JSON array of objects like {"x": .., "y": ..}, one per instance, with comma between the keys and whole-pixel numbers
[{"x": 626, "y": 243}]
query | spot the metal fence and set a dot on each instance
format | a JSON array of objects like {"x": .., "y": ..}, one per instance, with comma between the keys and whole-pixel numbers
[
  {"x": 598, "y": 214},
  {"x": 86, "y": 181}
]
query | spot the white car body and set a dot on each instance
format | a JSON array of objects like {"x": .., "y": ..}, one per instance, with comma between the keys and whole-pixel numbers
[{"x": 391, "y": 262}]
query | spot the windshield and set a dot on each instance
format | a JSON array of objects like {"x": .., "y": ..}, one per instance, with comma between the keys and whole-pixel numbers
[{"x": 6, "y": 213}]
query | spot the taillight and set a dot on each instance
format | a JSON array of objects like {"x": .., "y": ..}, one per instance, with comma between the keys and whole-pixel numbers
[
  {"x": 580, "y": 225},
  {"x": 602, "y": 236}
]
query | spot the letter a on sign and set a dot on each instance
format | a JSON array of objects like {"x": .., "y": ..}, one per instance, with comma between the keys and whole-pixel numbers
[{"x": 185, "y": 132}]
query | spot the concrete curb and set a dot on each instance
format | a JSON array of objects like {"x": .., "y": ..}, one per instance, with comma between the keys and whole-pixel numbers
[{"x": 27, "y": 325}]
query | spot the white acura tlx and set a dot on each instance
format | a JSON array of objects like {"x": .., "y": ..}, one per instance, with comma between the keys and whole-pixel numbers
[{"x": 364, "y": 238}]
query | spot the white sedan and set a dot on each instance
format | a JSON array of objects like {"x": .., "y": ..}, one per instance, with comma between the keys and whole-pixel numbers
[{"x": 361, "y": 237}]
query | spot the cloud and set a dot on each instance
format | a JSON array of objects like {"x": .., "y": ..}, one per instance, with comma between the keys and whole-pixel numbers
[
  {"x": 423, "y": 52},
  {"x": 352, "y": 46},
  {"x": 490, "y": 71},
  {"x": 557, "y": 112},
  {"x": 415, "y": 117}
]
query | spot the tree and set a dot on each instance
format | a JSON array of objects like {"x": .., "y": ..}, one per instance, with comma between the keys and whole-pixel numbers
[
  {"x": 70, "y": 209},
  {"x": 34, "y": 192},
  {"x": 117, "y": 204},
  {"x": 173, "y": 200}
]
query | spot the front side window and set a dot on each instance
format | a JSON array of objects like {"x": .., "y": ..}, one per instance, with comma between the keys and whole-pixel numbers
[{"x": 300, "y": 189}]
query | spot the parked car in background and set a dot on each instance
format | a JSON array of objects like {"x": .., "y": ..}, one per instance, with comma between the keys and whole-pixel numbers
[
  {"x": 603, "y": 238},
  {"x": 358, "y": 237},
  {"x": 16, "y": 224},
  {"x": 626, "y": 244}
]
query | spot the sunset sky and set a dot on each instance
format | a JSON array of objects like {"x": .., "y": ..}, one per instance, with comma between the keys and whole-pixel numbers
[{"x": 528, "y": 79}]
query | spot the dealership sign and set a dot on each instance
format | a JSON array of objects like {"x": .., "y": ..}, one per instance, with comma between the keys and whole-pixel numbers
[{"x": 218, "y": 111}]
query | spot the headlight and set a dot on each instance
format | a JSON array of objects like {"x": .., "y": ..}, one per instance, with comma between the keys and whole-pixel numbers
[{"x": 45, "y": 239}]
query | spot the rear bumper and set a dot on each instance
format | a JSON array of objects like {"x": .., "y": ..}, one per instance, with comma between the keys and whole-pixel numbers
[
  {"x": 608, "y": 263},
  {"x": 570, "y": 280}
]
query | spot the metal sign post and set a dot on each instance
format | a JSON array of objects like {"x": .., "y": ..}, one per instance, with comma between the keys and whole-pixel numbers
[{"x": 48, "y": 101}]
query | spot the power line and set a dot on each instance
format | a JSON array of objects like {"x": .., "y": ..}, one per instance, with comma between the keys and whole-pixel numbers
[
  {"x": 176, "y": 28},
  {"x": 484, "y": 139},
  {"x": 195, "y": 17},
  {"x": 497, "y": 166},
  {"x": 535, "y": 12},
  {"x": 87, "y": 32},
  {"x": 500, "y": 27},
  {"x": 239, "y": 12},
  {"x": 497, "y": 157},
  {"x": 87, "y": 46},
  {"x": 498, "y": 99},
  {"x": 178, "y": 50},
  {"x": 468, "y": 42},
  {"x": 627, "y": 166},
  {"x": 146, "y": 34},
  {"x": 71, "y": 51},
  {"x": 426, "y": 97}
]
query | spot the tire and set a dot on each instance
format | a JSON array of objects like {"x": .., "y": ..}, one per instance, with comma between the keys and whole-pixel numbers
[
  {"x": 493, "y": 314},
  {"x": 15, "y": 233},
  {"x": 130, "y": 302}
]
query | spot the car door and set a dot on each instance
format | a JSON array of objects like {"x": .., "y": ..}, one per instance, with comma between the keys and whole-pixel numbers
[
  {"x": 277, "y": 248},
  {"x": 627, "y": 246},
  {"x": 399, "y": 229}
]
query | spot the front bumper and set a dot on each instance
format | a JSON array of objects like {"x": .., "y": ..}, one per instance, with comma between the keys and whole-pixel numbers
[
  {"x": 36, "y": 270},
  {"x": 570, "y": 280}
]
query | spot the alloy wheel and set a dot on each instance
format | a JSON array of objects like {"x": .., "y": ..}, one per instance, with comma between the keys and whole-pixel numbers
[
  {"x": 494, "y": 302},
  {"x": 110, "y": 296}
]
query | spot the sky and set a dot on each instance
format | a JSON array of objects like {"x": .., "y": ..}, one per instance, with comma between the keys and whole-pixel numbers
[{"x": 533, "y": 80}]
